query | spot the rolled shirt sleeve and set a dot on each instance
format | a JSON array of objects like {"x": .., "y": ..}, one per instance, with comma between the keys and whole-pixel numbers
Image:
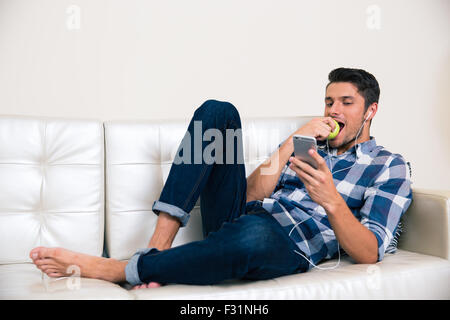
[{"x": 386, "y": 200}]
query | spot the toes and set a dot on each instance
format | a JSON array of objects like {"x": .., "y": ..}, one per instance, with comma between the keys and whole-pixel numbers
[
  {"x": 45, "y": 268},
  {"x": 41, "y": 262},
  {"x": 46, "y": 264},
  {"x": 42, "y": 252},
  {"x": 141, "y": 286},
  {"x": 145, "y": 286},
  {"x": 55, "y": 274},
  {"x": 34, "y": 254},
  {"x": 49, "y": 270},
  {"x": 153, "y": 285}
]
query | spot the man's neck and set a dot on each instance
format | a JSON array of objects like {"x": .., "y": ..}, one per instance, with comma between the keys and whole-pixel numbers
[{"x": 365, "y": 136}]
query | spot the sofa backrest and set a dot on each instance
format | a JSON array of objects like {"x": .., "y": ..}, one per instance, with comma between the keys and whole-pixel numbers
[
  {"x": 53, "y": 180},
  {"x": 51, "y": 186},
  {"x": 139, "y": 155}
]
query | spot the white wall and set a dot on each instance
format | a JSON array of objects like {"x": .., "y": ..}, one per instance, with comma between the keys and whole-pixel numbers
[{"x": 161, "y": 59}]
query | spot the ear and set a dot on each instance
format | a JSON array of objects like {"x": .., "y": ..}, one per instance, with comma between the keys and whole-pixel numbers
[{"x": 371, "y": 111}]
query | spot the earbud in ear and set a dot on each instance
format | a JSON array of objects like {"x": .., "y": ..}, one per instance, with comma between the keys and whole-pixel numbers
[{"x": 368, "y": 116}]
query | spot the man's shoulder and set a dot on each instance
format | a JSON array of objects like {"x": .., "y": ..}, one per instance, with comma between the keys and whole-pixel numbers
[
  {"x": 390, "y": 165},
  {"x": 381, "y": 155}
]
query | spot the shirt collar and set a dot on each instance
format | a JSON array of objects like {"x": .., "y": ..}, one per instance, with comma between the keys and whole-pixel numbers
[{"x": 360, "y": 148}]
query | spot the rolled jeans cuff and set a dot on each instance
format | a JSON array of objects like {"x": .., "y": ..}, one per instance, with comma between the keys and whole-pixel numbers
[
  {"x": 172, "y": 210},
  {"x": 131, "y": 269}
]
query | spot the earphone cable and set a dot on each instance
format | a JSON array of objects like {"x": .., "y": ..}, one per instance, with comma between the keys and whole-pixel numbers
[{"x": 331, "y": 169}]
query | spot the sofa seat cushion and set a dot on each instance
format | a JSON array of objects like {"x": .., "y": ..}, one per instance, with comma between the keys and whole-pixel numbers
[
  {"x": 24, "y": 281},
  {"x": 403, "y": 275}
]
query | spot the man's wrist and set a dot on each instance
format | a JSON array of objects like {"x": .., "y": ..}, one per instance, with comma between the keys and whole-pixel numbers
[
  {"x": 289, "y": 142},
  {"x": 335, "y": 206}
]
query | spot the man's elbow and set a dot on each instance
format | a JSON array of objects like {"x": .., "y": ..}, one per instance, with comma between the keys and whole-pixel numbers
[
  {"x": 368, "y": 261},
  {"x": 251, "y": 195},
  {"x": 370, "y": 258},
  {"x": 369, "y": 255}
]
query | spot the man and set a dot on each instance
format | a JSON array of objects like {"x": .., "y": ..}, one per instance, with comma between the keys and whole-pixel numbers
[{"x": 270, "y": 225}]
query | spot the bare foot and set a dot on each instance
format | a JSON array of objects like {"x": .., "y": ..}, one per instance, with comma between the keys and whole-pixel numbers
[
  {"x": 149, "y": 285},
  {"x": 58, "y": 262}
]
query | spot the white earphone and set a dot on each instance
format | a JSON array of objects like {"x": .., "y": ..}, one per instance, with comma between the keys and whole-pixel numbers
[
  {"x": 309, "y": 261},
  {"x": 356, "y": 143},
  {"x": 331, "y": 169}
]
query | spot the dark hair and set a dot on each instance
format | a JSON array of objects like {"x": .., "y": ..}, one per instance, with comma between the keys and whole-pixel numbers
[{"x": 365, "y": 82}]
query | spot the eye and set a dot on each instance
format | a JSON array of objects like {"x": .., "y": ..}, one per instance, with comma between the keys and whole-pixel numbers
[
  {"x": 329, "y": 104},
  {"x": 347, "y": 103}
]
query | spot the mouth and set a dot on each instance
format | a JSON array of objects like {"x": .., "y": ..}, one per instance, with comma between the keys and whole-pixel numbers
[{"x": 341, "y": 125}]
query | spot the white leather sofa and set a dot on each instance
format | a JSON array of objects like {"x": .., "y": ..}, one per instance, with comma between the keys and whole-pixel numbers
[{"x": 89, "y": 186}]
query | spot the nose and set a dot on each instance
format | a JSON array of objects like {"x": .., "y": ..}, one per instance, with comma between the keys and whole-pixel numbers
[{"x": 334, "y": 109}]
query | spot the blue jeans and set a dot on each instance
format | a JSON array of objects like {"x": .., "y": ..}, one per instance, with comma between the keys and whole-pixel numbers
[{"x": 242, "y": 240}]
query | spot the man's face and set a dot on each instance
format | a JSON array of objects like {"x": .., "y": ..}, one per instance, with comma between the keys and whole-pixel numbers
[{"x": 344, "y": 104}]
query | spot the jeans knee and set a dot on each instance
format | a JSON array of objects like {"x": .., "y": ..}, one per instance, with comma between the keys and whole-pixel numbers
[{"x": 223, "y": 109}]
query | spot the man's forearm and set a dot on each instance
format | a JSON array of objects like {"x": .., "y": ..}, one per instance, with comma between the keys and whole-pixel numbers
[
  {"x": 357, "y": 241},
  {"x": 263, "y": 179}
]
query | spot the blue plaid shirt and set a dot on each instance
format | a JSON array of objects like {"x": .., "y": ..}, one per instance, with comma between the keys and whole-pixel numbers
[{"x": 377, "y": 189}]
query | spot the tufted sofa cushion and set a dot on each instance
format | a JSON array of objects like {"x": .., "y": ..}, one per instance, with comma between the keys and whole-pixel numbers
[{"x": 51, "y": 186}]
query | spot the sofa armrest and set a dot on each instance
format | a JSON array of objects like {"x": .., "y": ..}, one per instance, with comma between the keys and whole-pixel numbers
[{"x": 426, "y": 223}]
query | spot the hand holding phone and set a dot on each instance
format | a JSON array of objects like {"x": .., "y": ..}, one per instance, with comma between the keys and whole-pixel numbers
[{"x": 302, "y": 144}]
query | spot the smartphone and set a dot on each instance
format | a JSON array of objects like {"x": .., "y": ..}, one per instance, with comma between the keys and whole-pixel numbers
[{"x": 301, "y": 146}]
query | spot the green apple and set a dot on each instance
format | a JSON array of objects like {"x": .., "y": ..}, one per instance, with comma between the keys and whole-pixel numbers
[{"x": 335, "y": 132}]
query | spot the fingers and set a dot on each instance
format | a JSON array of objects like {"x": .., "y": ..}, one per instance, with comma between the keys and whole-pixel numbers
[
  {"x": 301, "y": 167},
  {"x": 330, "y": 122},
  {"x": 305, "y": 172},
  {"x": 303, "y": 176},
  {"x": 324, "y": 129},
  {"x": 321, "y": 164},
  {"x": 320, "y": 128},
  {"x": 319, "y": 160}
]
